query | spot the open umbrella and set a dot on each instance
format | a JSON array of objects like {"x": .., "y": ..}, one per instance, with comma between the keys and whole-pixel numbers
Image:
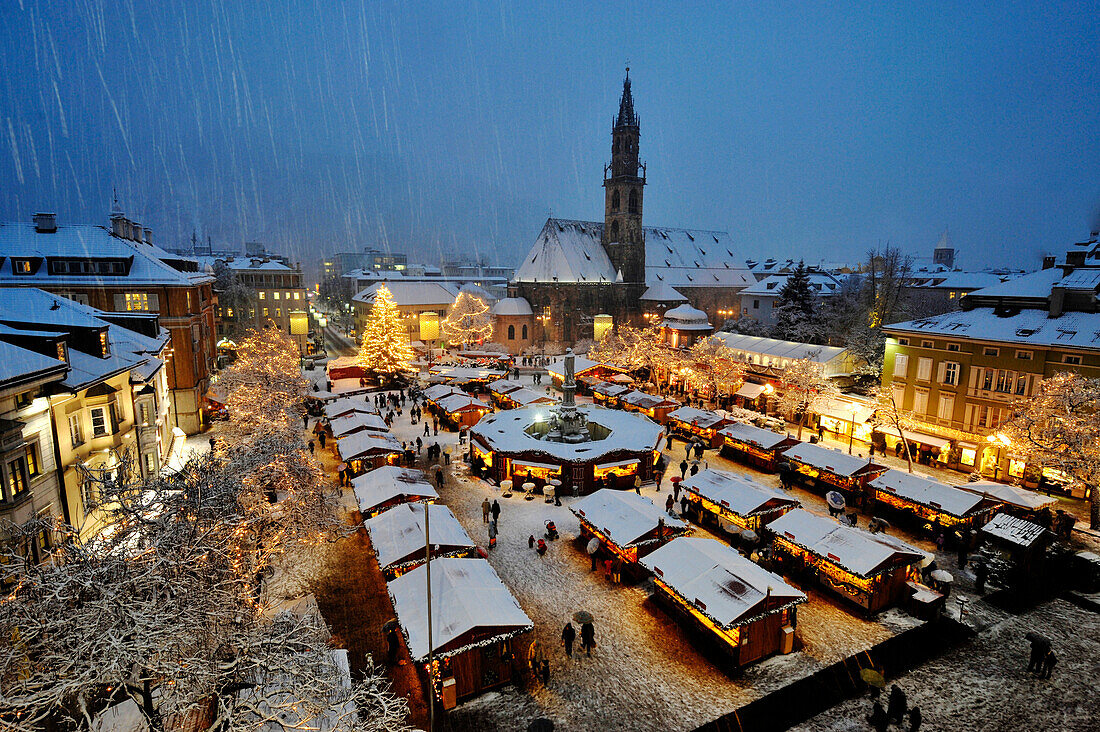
[
  {"x": 942, "y": 575},
  {"x": 872, "y": 677},
  {"x": 1034, "y": 637},
  {"x": 582, "y": 616},
  {"x": 836, "y": 500},
  {"x": 593, "y": 546},
  {"x": 749, "y": 537},
  {"x": 928, "y": 559}
]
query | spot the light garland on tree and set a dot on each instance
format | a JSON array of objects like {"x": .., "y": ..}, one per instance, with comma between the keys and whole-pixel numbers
[
  {"x": 386, "y": 350},
  {"x": 469, "y": 320}
]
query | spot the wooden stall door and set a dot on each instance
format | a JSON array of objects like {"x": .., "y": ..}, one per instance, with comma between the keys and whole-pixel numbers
[{"x": 466, "y": 668}]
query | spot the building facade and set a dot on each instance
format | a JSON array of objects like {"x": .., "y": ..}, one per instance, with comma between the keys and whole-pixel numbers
[{"x": 271, "y": 292}]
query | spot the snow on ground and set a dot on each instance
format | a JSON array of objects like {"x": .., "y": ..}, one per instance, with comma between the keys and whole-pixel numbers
[
  {"x": 984, "y": 685},
  {"x": 644, "y": 667}
]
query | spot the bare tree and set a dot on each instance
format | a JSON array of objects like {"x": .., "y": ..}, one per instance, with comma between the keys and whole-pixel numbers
[
  {"x": 888, "y": 414},
  {"x": 805, "y": 388},
  {"x": 889, "y": 271}
]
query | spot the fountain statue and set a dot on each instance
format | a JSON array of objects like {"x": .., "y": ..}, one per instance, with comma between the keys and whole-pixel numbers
[{"x": 567, "y": 423}]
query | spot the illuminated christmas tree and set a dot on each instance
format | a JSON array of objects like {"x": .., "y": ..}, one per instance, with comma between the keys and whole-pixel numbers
[
  {"x": 386, "y": 350},
  {"x": 469, "y": 320}
]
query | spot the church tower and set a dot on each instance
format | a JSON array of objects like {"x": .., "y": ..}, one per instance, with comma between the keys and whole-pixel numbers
[{"x": 623, "y": 237}]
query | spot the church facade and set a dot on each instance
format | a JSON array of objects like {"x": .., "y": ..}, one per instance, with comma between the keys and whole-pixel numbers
[{"x": 633, "y": 272}]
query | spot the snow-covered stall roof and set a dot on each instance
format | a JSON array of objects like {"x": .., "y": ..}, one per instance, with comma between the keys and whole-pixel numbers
[
  {"x": 365, "y": 444},
  {"x": 858, "y": 551},
  {"x": 504, "y": 386},
  {"x": 846, "y": 409},
  {"x": 1013, "y": 495},
  {"x": 356, "y": 422},
  {"x": 746, "y": 345},
  {"x": 753, "y": 435},
  {"x": 702, "y": 418},
  {"x": 468, "y": 602},
  {"x": 527, "y": 396},
  {"x": 662, "y": 292},
  {"x": 468, "y": 373},
  {"x": 622, "y": 516},
  {"x": 460, "y": 403},
  {"x": 739, "y": 493},
  {"x": 629, "y": 432},
  {"x": 412, "y": 294},
  {"x": 439, "y": 391},
  {"x": 828, "y": 459},
  {"x": 580, "y": 366},
  {"x": 717, "y": 580},
  {"x": 610, "y": 389},
  {"x": 397, "y": 535},
  {"x": 348, "y": 405},
  {"x": 646, "y": 401},
  {"x": 750, "y": 390},
  {"x": 384, "y": 484},
  {"x": 513, "y": 306},
  {"x": 1014, "y": 530},
  {"x": 928, "y": 492}
]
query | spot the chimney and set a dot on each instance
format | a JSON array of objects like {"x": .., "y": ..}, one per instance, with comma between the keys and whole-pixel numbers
[
  {"x": 1075, "y": 259},
  {"x": 45, "y": 223},
  {"x": 118, "y": 226},
  {"x": 148, "y": 236},
  {"x": 1048, "y": 262},
  {"x": 1057, "y": 302}
]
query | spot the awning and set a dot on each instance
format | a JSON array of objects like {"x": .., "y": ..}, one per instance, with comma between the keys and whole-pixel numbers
[
  {"x": 968, "y": 446},
  {"x": 533, "y": 464},
  {"x": 845, "y": 411},
  {"x": 750, "y": 391},
  {"x": 920, "y": 437},
  {"x": 620, "y": 464}
]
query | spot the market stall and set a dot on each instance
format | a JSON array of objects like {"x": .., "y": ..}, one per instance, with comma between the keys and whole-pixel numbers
[
  {"x": 607, "y": 393},
  {"x": 698, "y": 424},
  {"x": 582, "y": 367},
  {"x": 868, "y": 569},
  {"x": 524, "y": 398},
  {"x": 655, "y": 407},
  {"x": 365, "y": 451},
  {"x": 752, "y": 396},
  {"x": 390, "y": 486},
  {"x": 924, "y": 448},
  {"x": 500, "y": 387},
  {"x": 754, "y": 445},
  {"x": 749, "y": 612},
  {"x": 627, "y": 525},
  {"x": 461, "y": 410},
  {"x": 1016, "y": 499},
  {"x": 929, "y": 500},
  {"x": 397, "y": 536},
  {"x": 1014, "y": 549},
  {"x": 433, "y": 394},
  {"x": 354, "y": 422},
  {"x": 716, "y": 496},
  {"x": 470, "y": 379},
  {"x": 347, "y": 405},
  {"x": 825, "y": 469},
  {"x": 477, "y": 627}
]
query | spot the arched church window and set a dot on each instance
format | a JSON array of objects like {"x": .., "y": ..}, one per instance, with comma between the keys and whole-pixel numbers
[
  {"x": 633, "y": 200},
  {"x": 614, "y": 230},
  {"x": 524, "y": 332},
  {"x": 615, "y": 200},
  {"x": 511, "y": 332}
]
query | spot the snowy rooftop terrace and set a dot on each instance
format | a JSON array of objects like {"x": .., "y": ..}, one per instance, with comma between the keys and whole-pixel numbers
[{"x": 716, "y": 579}]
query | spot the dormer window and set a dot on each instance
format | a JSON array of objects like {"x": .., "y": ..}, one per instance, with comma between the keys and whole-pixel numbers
[
  {"x": 104, "y": 346},
  {"x": 23, "y": 267}
]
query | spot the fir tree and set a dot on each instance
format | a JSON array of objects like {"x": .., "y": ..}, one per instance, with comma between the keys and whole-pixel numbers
[
  {"x": 795, "y": 308},
  {"x": 469, "y": 320},
  {"x": 386, "y": 350}
]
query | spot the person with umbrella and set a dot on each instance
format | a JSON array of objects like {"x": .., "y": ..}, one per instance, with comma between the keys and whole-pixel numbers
[
  {"x": 588, "y": 636},
  {"x": 1040, "y": 646},
  {"x": 568, "y": 635},
  {"x": 592, "y": 548},
  {"x": 699, "y": 451},
  {"x": 897, "y": 705}
]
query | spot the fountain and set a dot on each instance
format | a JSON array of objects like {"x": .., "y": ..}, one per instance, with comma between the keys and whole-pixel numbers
[{"x": 567, "y": 423}]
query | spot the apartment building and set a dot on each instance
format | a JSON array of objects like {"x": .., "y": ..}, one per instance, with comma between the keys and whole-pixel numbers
[
  {"x": 271, "y": 292},
  {"x": 956, "y": 375},
  {"x": 118, "y": 269}
]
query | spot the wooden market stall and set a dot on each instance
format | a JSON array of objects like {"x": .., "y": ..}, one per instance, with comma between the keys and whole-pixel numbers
[
  {"x": 868, "y": 569},
  {"x": 628, "y": 525},
  {"x": 389, "y": 486},
  {"x": 433, "y": 394},
  {"x": 500, "y": 387},
  {"x": 607, "y": 393},
  {"x": 354, "y": 422},
  {"x": 754, "y": 445},
  {"x": 478, "y": 628},
  {"x": 582, "y": 367},
  {"x": 524, "y": 398},
  {"x": 1016, "y": 500},
  {"x": 397, "y": 536},
  {"x": 347, "y": 405},
  {"x": 825, "y": 469},
  {"x": 698, "y": 424},
  {"x": 929, "y": 500},
  {"x": 473, "y": 380},
  {"x": 716, "y": 496},
  {"x": 1015, "y": 548},
  {"x": 461, "y": 410},
  {"x": 655, "y": 407},
  {"x": 365, "y": 451},
  {"x": 748, "y": 612}
]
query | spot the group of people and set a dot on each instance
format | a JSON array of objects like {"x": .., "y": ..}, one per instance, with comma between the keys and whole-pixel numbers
[
  {"x": 895, "y": 711},
  {"x": 1042, "y": 659}
]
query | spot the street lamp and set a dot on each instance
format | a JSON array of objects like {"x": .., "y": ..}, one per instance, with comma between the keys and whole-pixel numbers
[{"x": 429, "y": 330}]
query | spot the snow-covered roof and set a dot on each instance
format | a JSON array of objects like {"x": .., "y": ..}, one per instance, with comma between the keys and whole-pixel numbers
[
  {"x": 571, "y": 251},
  {"x": 580, "y": 366},
  {"x": 821, "y": 283},
  {"x": 856, "y": 550},
  {"x": 384, "y": 484},
  {"x": 753, "y": 435},
  {"x": 685, "y": 317},
  {"x": 741, "y": 494},
  {"x": 412, "y": 294},
  {"x": 1014, "y": 530},
  {"x": 1013, "y": 495},
  {"x": 460, "y": 403},
  {"x": 717, "y": 580},
  {"x": 513, "y": 306},
  {"x": 624, "y": 517},
  {"x": 527, "y": 396},
  {"x": 952, "y": 280},
  {"x": 397, "y": 535},
  {"x": 504, "y": 386},
  {"x": 746, "y": 344},
  {"x": 19, "y": 364},
  {"x": 364, "y": 444},
  {"x": 439, "y": 391},
  {"x": 245, "y": 264},
  {"x": 927, "y": 492},
  {"x": 662, "y": 292},
  {"x": 846, "y": 409},
  {"x": 356, "y": 421},
  {"x": 646, "y": 401},
  {"x": 702, "y": 418},
  {"x": 465, "y": 373},
  {"x": 348, "y": 405},
  {"x": 629, "y": 432},
  {"x": 1072, "y": 330},
  {"x": 826, "y": 458},
  {"x": 144, "y": 264},
  {"x": 610, "y": 389},
  {"x": 1032, "y": 285},
  {"x": 467, "y": 595}
]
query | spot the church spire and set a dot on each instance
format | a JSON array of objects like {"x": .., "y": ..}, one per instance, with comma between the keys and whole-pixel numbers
[{"x": 626, "y": 116}]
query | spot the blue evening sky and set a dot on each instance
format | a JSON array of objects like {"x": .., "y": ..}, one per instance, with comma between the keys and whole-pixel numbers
[{"x": 453, "y": 129}]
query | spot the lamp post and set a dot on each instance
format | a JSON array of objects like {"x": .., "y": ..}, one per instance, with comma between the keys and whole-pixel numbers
[
  {"x": 429, "y": 331},
  {"x": 428, "y": 582}
]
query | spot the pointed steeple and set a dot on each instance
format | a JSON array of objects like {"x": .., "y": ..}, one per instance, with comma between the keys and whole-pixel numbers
[{"x": 626, "y": 116}]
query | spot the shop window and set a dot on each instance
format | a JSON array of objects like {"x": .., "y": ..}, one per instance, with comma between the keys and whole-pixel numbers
[
  {"x": 967, "y": 456},
  {"x": 1016, "y": 468}
]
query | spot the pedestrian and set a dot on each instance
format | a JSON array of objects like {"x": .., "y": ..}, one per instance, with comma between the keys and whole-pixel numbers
[
  {"x": 1048, "y": 665},
  {"x": 212, "y": 444},
  {"x": 391, "y": 646},
  {"x": 698, "y": 451},
  {"x": 545, "y": 672},
  {"x": 668, "y": 441},
  {"x": 896, "y": 706},
  {"x": 588, "y": 638},
  {"x": 617, "y": 570},
  {"x": 981, "y": 573},
  {"x": 435, "y": 426},
  {"x": 684, "y": 504},
  {"x": 568, "y": 635},
  {"x": 531, "y": 541},
  {"x": 492, "y": 534},
  {"x": 321, "y": 437},
  {"x": 660, "y": 475},
  {"x": 485, "y": 510},
  {"x": 683, "y": 469},
  {"x": 495, "y": 510},
  {"x": 694, "y": 469},
  {"x": 305, "y": 421},
  {"x": 962, "y": 554},
  {"x": 914, "y": 719},
  {"x": 675, "y": 490},
  {"x": 592, "y": 557},
  {"x": 439, "y": 477},
  {"x": 310, "y": 446},
  {"x": 419, "y": 444},
  {"x": 638, "y": 484},
  {"x": 669, "y": 503},
  {"x": 1040, "y": 647},
  {"x": 878, "y": 718},
  {"x": 687, "y": 449}
]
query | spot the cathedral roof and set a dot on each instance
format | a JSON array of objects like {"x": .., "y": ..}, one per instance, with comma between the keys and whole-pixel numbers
[
  {"x": 626, "y": 117},
  {"x": 571, "y": 251}
]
